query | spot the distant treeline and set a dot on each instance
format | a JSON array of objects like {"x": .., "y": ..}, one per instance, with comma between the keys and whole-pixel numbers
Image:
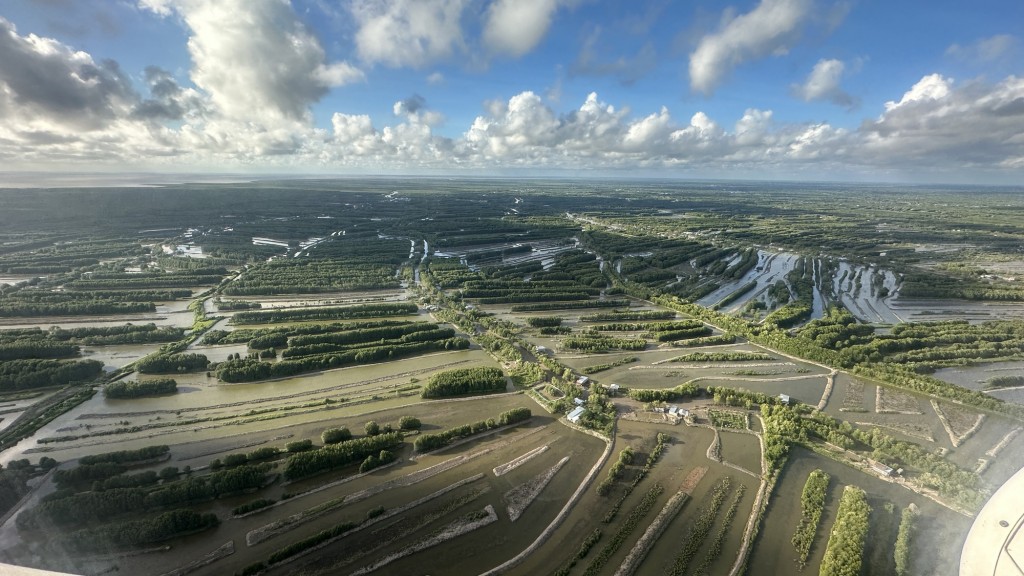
[
  {"x": 78, "y": 308},
  {"x": 27, "y": 374},
  {"x": 544, "y": 306},
  {"x": 249, "y": 370},
  {"x": 329, "y": 313}
]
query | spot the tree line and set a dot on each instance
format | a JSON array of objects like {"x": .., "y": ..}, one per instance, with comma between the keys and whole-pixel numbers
[{"x": 462, "y": 381}]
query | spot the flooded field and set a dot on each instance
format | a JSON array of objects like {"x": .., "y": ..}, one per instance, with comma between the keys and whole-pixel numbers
[
  {"x": 509, "y": 279},
  {"x": 931, "y": 310},
  {"x": 204, "y": 408},
  {"x": 486, "y": 545},
  {"x": 976, "y": 377},
  {"x": 773, "y": 552}
]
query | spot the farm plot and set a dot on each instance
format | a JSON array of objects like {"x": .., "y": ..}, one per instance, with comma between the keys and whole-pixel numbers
[
  {"x": 931, "y": 553},
  {"x": 743, "y": 450},
  {"x": 893, "y": 401},
  {"x": 850, "y": 394},
  {"x": 712, "y": 521},
  {"x": 994, "y": 449},
  {"x": 802, "y": 389},
  {"x": 206, "y": 410},
  {"x": 960, "y": 423},
  {"x": 406, "y": 517}
]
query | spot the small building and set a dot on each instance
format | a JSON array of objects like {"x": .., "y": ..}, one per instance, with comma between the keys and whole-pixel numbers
[
  {"x": 784, "y": 398},
  {"x": 583, "y": 381},
  {"x": 576, "y": 414},
  {"x": 577, "y": 401},
  {"x": 881, "y": 468}
]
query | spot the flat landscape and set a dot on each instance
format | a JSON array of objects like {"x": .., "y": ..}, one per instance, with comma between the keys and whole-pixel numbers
[{"x": 505, "y": 376}]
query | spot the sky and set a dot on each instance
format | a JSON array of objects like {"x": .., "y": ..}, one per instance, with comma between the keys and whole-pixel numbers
[{"x": 906, "y": 91}]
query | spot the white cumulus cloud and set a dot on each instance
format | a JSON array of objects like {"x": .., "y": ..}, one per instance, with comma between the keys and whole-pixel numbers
[
  {"x": 255, "y": 58},
  {"x": 823, "y": 83},
  {"x": 930, "y": 88},
  {"x": 408, "y": 32},
  {"x": 771, "y": 28},
  {"x": 514, "y": 27}
]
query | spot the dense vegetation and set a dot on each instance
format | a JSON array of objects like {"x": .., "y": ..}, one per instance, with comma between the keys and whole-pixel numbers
[
  {"x": 27, "y": 374},
  {"x": 462, "y": 381},
  {"x": 812, "y": 504},
  {"x": 325, "y": 313},
  {"x": 428, "y": 442},
  {"x": 333, "y": 456},
  {"x": 140, "y": 388},
  {"x": 172, "y": 363},
  {"x": 845, "y": 551}
]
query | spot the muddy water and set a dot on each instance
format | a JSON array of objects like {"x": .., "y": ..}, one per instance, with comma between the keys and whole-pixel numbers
[
  {"x": 936, "y": 549},
  {"x": 681, "y": 458},
  {"x": 771, "y": 268},
  {"x": 804, "y": 390},
  {"x": 114, "y": 357},
  {"x": 744, "y": 450},
  {"x": 201, "y": 397},
  {"x": 492, "y": 544},
  {"x": 922, "y": 310},
  {"x": 975, "y": 377}
]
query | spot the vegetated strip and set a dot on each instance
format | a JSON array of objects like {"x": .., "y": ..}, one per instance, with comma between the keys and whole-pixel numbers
[
  {"x": 653, "y": 532},
  {"x": 738, "y": 356},
  {"x": 995, "y": 450},
  {"x": 223, "y": 551},
  {"x": 901, "y": 553},
  {"x": 575, "y": 304},
  {"x": 461, "y": 526},
  {"x": 812, "y": 503},
  {"x": 602, "y": 367},
  {"x": 518, "y": 499},
  {"x": 630, "y": 524},
  {"x": 954, "y": 438},
  {"x": 399, "y": 530},
  {"x": 326, "y": 537},
  {"x": 325, "y": 313},
  {"x": 652, "y": 459},
  {"x": 518, "y": 461},
  {"x": 843, "y": 555},
  {"x": 723, "y": 532},
  {"x": 700, "y": 528},
  {"x": 278, "y": 527}
]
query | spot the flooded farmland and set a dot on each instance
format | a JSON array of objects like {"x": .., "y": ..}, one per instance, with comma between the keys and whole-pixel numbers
[{"x": 347, "y": 388}]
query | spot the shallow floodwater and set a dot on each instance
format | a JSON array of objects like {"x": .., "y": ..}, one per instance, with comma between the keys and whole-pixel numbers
[
  {"x": 935, "y": 551},
  {"x": 975, "y": 377}
]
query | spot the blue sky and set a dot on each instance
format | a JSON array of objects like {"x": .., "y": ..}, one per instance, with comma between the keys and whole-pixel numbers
[{"x": 801, "y": 89}]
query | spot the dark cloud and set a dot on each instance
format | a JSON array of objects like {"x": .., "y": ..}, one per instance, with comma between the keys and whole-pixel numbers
[
  {"x": 167, "y": 97},
  {"x": 44, "y": 75}
]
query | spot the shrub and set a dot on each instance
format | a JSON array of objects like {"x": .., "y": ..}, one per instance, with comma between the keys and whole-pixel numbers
[
  {"x": 335, "y": 435},
  {"x": 299, "y": 446},
  {"x": 409, "y": 423}
]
